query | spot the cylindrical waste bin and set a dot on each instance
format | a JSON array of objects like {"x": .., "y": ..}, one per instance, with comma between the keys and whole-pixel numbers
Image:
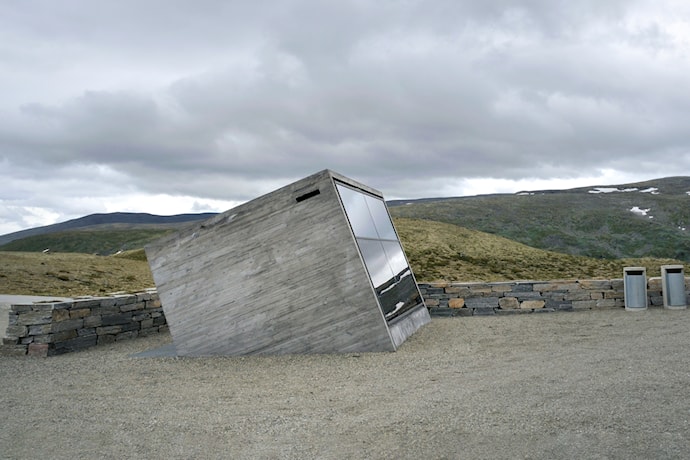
[
  {"x": 635, "y": 288},
  {"x": 673, "y": 286}
]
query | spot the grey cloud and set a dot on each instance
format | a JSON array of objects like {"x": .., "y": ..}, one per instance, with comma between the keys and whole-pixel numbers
[{"x": 236, "y": 97}]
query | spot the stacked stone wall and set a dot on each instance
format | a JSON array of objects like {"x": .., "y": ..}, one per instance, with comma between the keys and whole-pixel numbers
[
  {"x": 515, "y": 297},
  {"x": 52, "y": 328}
]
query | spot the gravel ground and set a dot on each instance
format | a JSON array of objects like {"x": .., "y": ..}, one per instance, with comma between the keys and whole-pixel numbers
[{"x": 599, "y": 384}]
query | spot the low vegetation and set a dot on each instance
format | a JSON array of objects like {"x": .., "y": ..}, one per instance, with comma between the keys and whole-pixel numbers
[
  {"x": 72, "y": 274},
  {"x": 437, "y": 251}
]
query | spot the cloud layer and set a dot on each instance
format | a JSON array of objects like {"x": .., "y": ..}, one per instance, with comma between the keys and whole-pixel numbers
[{"x": 216, "y": 102}]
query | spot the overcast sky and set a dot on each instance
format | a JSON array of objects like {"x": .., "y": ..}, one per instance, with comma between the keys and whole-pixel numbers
[{"x": 178, "y": 106}]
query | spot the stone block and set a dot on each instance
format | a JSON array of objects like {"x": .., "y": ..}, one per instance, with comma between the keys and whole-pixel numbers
[
  {"x": 67, "y": 325},
  {"x": 132, "y": 306},
  {"x": 47, "y": 338},
  {"x": 596, "y": 295},
  {"x": 92, "y": 321},
  {"x": 480, "y": 291},
  {"x": 65, "y": 335},
  {"x": 153, "y": 303},
  {"x": 32, "y": 318},
  {"x": 558, "y": 305},
  {"x": 86, "y": 332},
  {"x": 17, "y": 331},
  {"x": 502, "y": 287},
  {"x": 613, "y": 294},
  {"x": 41, "y": 329},
  {"x": 13, "y": 350},
  {"x": 508, "y": 303},
  {"x": 483, "y": 311},
  {"x": 617, "y": 284},
  {"x": 146, "y": 323},
  {"x": 523, "y": 287},
  {"x": 532, "y": 304},
  {"x": 606, "y": 303},
  {"x": 656, "y": 300},
  {"x": 112, "y": 320},
  {"x": 427, "y": 302},
  {"x": 125, "y": 299},
  {"x": 165, "y": 328},
  {"x": 60, "y": 315},
  {"x": 142, "y": 296},
  {"x": 76, "y": 344},
  {"x": 26, "y": 340},
  {"x": 159, "y": 321},
  {"x": 595, "y": 285},
  {"x": 10, "y": 340},
  {"x": 105, "y": 310},
  {"x": 21, "y": 308},
  {"x": 654, "y": 284},
  {"x": 546, "y": 287},
  {"x": 12, "y": 319},
  {"x": 459, "y": 290},
  {"x": 579, "y": 294},
  {"x": 108, "y": 302},
  {"x": 482, "y": 302},
  {"x": 584, "y": 304},
  {"x": 80, "y": 313},
  {"x": 524, "y": 295},
  {"x": 439, "y": 284},
  {"x": 108, "y": 330},
  {"x": 141, "y": 317},
  {"x": 456, "y": 303},
  {"x": 39, "y": 350}
]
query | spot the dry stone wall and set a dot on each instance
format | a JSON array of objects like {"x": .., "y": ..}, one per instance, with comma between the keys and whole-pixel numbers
[
  {"x": 52, "y": 328},
  {"x": 514, "y": 297}
]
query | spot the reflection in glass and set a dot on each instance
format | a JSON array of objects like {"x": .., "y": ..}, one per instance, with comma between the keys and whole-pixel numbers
[
  {"x": 358, "y": 213},
  {"x": 384, "y": 226},
  {"x": 375, "y": 259},
  {"x": 382, "y": 253}
]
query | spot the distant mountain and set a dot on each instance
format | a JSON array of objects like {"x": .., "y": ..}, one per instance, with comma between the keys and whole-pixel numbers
[
  {"x": 116, "y": 220},
  {"x": 645, "y": 219}
]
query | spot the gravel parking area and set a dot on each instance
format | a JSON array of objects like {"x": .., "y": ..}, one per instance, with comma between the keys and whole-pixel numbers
[{"x": 593, "y": 384}]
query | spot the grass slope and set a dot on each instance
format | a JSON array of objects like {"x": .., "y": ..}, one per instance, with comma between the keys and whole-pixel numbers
[
  {"x": 437, "y": 251},
  {"x": 575, "y": 221},
  {"x": 102, "y": 241},
  {"x": 440, "y": 251},
  {"x": 70, "y": 274}
]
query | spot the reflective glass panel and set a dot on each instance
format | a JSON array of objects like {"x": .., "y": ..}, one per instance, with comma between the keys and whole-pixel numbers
[
  {"x": 357, "y": 212},
  {"x": 383, "y": 223},
  {"x": 395, "y": 256},
  {"x": 383, "y": 255},
  {"x": 376, "y": 262}
]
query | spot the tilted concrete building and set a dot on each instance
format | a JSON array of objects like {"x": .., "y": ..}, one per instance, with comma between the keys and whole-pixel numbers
[{"x": 314, "y": 267}]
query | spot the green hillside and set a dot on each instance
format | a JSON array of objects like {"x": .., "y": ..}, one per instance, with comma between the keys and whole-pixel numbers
[
  {"x": 101, "y": 242},
  {"x": 437, "y": 251},
  {"x": 440, "y": 251},
  {"x": 577, "y": 222}
]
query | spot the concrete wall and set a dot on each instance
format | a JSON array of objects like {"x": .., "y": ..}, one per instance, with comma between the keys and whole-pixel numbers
[
  {"x": 513, "y": 297},
  {"x": 52, "y": 328}
]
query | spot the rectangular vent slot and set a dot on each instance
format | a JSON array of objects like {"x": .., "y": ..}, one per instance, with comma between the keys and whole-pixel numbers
[{"x": 308, "y": 195}]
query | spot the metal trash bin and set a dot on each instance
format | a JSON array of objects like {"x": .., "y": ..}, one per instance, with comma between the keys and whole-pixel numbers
[
  {"x": 673, "y": 287},
  {"x": 635, "y": 288}
]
